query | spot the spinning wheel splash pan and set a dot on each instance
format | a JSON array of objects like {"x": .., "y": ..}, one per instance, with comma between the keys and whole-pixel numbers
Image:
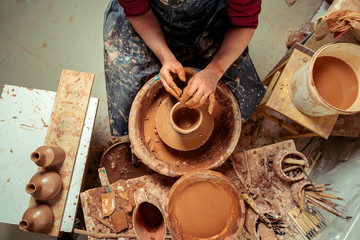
[{"x": 152, "y": 151}]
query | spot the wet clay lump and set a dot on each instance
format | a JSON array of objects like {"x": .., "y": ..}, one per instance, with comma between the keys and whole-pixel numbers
[
  {"x": 335, "y": 81},
  {"x": 203, "y": 209}
]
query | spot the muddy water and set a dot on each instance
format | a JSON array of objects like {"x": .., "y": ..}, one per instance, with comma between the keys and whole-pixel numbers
[
  {"x": 186, "y": 118},
  {"x": 203, "y": 209},
  {"x": 335, "y": 81}
]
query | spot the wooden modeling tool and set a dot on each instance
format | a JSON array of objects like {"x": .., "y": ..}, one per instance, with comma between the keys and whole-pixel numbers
[
  {"x": 315, "y": 195},
  {"x": 308, "y": 225},
  {"x": 108, "y": 200},
  {"x": 252, "y": 204}
]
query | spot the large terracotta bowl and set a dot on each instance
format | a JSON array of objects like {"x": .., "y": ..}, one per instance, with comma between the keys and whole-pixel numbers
[
  {"x": 208, "y": 214},
  {"x": 152, "y": 151}
]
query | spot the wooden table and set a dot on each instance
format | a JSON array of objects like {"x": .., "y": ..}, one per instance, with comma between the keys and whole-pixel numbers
[{"x": 25, "y": 117}]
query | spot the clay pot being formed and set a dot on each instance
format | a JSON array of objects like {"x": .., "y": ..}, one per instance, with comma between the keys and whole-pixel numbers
[
  {"x": 46, "y": 156},
  {"x": 37, "y": 218},
  {"x": 44, "y": 185},
  {"x": 181, "y": 127},
  {"x": 148, "y": 217},
  {"x": 280, "y": 167},
  {"x": 204, "y": 205}
]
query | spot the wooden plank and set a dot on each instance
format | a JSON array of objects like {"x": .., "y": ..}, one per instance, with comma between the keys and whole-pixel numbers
[
  {"x": 65, "y": 127},
  {"x": 280, "y": 122},
  {"x": 280, "y": 99},
  {"x": 155, "y": 185}
]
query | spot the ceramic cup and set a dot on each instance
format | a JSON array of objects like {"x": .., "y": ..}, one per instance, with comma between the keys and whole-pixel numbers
[
  {"x": 185, "y": 120},
  {"x": 148, "y": 217}
]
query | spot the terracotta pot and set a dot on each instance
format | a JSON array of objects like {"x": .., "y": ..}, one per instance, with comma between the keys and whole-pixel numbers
[
  {"x": 148, "y": 217},
  {"x": 46, "y": 156},
  {"x": 296, "y": 189},
  {"x": 44, "y": 185},
  {"x": 204, "y": 205},
  {"x": 37, "y": 218},
  {"x": 279, "y": 165},
  {"x": 153, "y": 152}
]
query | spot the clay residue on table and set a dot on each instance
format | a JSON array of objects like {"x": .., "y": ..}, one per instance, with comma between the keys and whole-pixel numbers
[
  {"x": 181, "y": 160},
  {"x": 155, "y": 185},
  {"x": 255, "y": 171}
]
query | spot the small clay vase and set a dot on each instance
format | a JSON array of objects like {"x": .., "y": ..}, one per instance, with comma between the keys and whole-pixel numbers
[
  {"x": 44, "y": 185},
  {"x": 148, "y": 217},
  {"x": 37, "y": 218},
  {"x": 46, "y": 156}
]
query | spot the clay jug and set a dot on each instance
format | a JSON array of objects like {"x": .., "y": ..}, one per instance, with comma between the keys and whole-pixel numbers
[
  {"x": 44, "y": 185},
  {"x": 37, "y": 218},
  {"x": 46, "y": 156}
]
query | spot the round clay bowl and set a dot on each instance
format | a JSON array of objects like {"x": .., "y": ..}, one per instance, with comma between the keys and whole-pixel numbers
[
  {"x": 119, "y": 163},
  {"x": 152, "y": 151},
  {"x": 209, "y": 214},
  {"x": 279, "y": 161}
]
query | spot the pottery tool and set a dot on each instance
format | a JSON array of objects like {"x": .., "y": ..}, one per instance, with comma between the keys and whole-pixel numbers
[
  {"x": 107, "y": 198},
  {"x": 316, "y": 196},
  {"x": 252, "y": 204},
  {"x": 308, "y": 225},
  {"x": 118, "y": 218},
  {"x": 279, "y": 226},
  {"x": 103, "y": 222}
]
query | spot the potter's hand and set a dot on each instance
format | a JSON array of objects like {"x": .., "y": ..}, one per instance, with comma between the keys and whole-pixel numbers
[
  {"x": 175, "y": 67},
  {"x": 200, "y": 88}
]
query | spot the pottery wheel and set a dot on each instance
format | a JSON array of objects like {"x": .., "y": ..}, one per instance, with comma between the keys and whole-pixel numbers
[{"x": 182, "y": 142}]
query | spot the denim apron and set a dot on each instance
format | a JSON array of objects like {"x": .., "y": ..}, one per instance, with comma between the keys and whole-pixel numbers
[{"x": 194, "y": 31}]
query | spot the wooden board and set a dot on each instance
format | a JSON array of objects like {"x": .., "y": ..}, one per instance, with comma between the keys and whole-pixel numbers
[
  {"x": 279, "y": 99},
  {"x": 260, "y": 178},
  {"x": 65, "y": 127},
  {"x": 155, "y": 185}
]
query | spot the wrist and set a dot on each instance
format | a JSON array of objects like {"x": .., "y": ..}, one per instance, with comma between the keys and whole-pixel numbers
[
  {"x": 166, "y": 56},
  {"x": 216, "y": 68}
]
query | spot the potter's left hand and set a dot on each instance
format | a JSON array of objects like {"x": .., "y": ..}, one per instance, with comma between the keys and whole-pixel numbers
[{"x": 200, "y": 88}]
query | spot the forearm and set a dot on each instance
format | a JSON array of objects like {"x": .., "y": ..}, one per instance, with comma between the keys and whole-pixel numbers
[
  {"x": 148, "y": 27},
  {"x": 234, "y": 43}
]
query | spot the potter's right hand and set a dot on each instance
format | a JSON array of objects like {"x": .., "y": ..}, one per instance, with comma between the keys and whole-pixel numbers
[{"x": 172, "y": 66}]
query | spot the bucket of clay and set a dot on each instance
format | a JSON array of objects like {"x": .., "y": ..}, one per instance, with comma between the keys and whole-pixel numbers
[
  {"x": 328, "y": 84},
  {"x": 204, "y": 205}
]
